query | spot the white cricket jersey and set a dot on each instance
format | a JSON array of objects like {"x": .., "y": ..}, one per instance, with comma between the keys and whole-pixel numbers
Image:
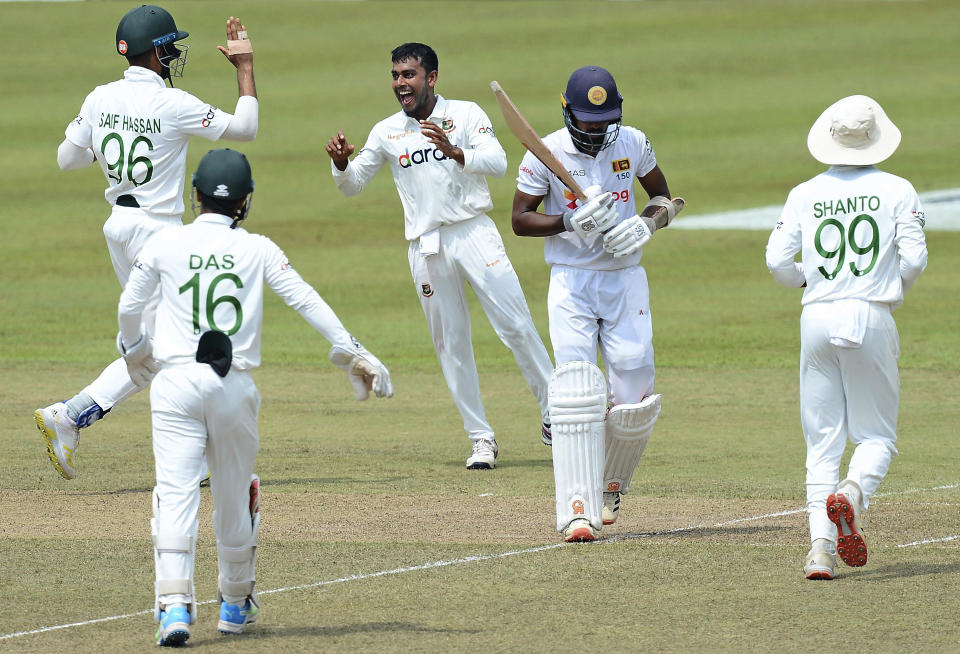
[
  {"x": 859, "y": 231},
  {"x": 614, "y": 169},
  {"x": 138, "y": 129},
  {"x": 212, "y": 277},
  {"x": 433, "y": 189}
]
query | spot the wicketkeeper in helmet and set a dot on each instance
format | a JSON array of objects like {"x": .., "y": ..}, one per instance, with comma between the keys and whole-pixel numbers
[
  {"x": 598, "y": 296},
  {"x": 137, "y": 129},
  {"x": 203, "y": 399}
]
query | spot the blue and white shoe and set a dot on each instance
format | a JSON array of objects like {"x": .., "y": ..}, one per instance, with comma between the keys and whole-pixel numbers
[
  {"x": 234, "y": 617},
  {"x": 174, "y": 629}
]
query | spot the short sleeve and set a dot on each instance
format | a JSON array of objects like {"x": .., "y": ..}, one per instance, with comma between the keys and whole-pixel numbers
[{"x": 198, "y": 118}]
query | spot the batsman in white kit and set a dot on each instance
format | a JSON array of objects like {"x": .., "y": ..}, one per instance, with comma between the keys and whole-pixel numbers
[
  {"x": 439, "y": 152},
  {"x": 859, "y": 232},
  {"x": 598, "y": 297},
  {"x": 137, "y": 129},
  {"x": 211, "y": 276}
]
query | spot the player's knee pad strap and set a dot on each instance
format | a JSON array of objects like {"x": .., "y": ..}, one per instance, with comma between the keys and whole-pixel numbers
[
  {"x": 578, "y": 402},
  {"x": 629, "y": 427},
  {"x": 173, "y": 543},
  {"x": 238, "y": 566}
]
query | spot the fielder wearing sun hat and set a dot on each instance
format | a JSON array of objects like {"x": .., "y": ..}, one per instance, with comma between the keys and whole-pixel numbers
[{"x": 853, "y": 131}]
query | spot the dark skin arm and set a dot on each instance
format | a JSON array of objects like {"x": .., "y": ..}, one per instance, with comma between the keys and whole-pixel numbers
[{"x": 527, "y": 221}]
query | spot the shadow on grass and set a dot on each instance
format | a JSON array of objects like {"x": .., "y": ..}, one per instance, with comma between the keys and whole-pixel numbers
[
  {"x": 687, "y": 533},
  {"x": 902, "y": 571},
  {"x": 266, "y": 632}
]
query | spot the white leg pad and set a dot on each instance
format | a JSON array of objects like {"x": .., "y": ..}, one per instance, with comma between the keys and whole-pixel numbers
[
  {"x": 578, "y": 402},
  {"x": 629, "y": 427},
  {"x": 166, "y": 587},
  {"x": 238, "y": 567}
]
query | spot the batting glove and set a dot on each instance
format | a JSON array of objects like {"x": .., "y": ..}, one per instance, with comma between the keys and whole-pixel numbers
[
  {"x": 627, "y": 237},
  {"x": 141, "y": 366},
  {"x": 596, "y": 216}
]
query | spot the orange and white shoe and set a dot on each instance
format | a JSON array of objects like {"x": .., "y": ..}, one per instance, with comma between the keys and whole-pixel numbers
[
  {"x": 579, "y": 531},
  {"x": 843, "y": 509}
]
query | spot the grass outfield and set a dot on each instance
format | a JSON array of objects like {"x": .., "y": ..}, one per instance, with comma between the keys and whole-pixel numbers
[{"x": 374, "y": 535}]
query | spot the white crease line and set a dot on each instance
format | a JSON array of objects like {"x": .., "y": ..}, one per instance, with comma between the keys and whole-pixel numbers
[
  {"x": 478, "y": 557},
  {"x": 929, "y": 540}
]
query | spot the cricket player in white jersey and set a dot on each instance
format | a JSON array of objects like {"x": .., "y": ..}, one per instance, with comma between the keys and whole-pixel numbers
[
  {"x": 439, "y": 152},
  {"x": 859, "y": 232},
  {"x": 211, "y": 275},
  {"x": 137, "y": 129},
  {"x": 598, "y": 297}
]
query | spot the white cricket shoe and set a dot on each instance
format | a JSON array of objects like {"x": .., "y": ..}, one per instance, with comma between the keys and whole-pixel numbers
[
  {"x": 611, "y": 507},
  {"x": 821, "y": 560},
  {"x": 62, "y": 437},
  {"x": 844, "y": 508},
  {"x": 579, "y": 531},
  {"x": 484, "y": 455}
]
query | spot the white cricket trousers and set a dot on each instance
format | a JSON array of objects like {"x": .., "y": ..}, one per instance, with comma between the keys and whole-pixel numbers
[
  {"x": 127, "y": 230},
  {"x": 195, "y": 413},
  {"x": 472, "y": 252},
  {"x": 847, "y": 392},
  {"x": 609, "y": 310}
]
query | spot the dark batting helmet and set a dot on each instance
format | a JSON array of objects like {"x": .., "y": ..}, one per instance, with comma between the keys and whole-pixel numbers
[
  {"x": 592, "y": 97},
  {"x": 150, "y": 27},
  {"x": 224, "y": 178}
]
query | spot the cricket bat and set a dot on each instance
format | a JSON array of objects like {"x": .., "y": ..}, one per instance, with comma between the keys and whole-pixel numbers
[{"x": 525, "y": 134}]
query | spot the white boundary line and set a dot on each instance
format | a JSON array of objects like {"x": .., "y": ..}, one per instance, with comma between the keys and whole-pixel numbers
[
  {"x": 485, "y": 557},
  {"x": 942, "y": 210},
  {"x": 929, "y": 540}
]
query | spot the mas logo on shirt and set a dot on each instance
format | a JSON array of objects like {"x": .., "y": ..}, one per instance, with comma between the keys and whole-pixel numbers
[
  {"x": 620, "y": 165},
  {"x": 426, "y": 289},
  {"x": 570, "y": 198}
]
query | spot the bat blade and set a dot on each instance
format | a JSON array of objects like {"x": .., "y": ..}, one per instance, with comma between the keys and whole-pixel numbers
[{"x": 531, "y": 141}]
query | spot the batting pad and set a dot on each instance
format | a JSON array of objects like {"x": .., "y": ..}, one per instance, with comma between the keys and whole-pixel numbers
[
  {"x": 173, "y": 551},
  {"x": 578, "y": 402},
  {"x": 629, "y": 427}
]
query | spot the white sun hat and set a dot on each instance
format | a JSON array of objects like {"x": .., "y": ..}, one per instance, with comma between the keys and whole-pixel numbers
[{"x": 853, "y": 131}]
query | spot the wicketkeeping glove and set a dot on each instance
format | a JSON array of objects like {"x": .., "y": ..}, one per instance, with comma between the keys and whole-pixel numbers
[
  {"x": 364, "y": 370},
  {"x": 627, "y": 237},
  {"x": 141, "y": 366},
  {"x": 595, "y": 216}
]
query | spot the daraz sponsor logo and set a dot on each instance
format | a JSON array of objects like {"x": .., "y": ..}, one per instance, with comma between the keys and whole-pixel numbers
[{"x": 420, "y": 156}]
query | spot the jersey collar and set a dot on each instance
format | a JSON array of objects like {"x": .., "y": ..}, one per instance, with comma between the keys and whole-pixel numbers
[
  {"x": 141, "y": 74},
  {"x": 214, "y": 219}
]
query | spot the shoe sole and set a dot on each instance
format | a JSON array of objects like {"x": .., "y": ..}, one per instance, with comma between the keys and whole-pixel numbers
[
  {"x": 820, "y": 573},
  {"x": 581, "y": 535},
  {"x": 851, "y": 547},
  {"x": 50, "y": 441},
  {"x": 607, "y": 523},
  {"x": 480, "y": 466},
  {"x": 175, "y": 638}
]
